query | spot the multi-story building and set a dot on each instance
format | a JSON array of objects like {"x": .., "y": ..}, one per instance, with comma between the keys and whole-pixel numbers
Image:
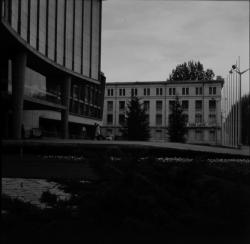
[
  {"x": 50, "y": 67},
  {"x": 200, "y": 101}
]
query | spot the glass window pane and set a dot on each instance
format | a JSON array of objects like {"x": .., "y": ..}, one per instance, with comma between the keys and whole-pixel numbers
[
  {"x": 51, "y": 30},
  {"x": 95, "y": 38},
  {"x": 86, "y": 38},
  {"x": 158, "y": 119},
  {"x": 42, "y": 26},
  {"x": 24, "y": 19},
  {"x": 33, "y": 22},
  {"x": 69, "y": 34},
  {"x": 14, "y": 14},
  {"x": 78, "y": 36},
  {"x": 60, "y": 31}
]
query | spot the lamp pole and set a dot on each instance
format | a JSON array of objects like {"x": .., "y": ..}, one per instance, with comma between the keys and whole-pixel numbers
[{"x": 237, "y": 70}]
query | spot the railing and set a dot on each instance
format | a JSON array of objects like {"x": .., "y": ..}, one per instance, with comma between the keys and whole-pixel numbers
[{"x": 42, "y": 94}]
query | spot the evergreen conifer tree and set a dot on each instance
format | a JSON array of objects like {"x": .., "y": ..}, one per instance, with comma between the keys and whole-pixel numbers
[
  {"x": 177, "y": 127},
  {"x": 136, "y": 126}
]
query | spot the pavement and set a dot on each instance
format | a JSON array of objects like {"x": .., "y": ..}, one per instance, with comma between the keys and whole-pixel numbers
[
  {"x": 31, "y": 190},
  {"x": 31, "y": 166},
  {"x": 244, "y": 151}
]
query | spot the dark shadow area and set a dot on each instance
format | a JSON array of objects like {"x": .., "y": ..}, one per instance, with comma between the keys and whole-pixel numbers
[{"x": 141, "y": 199}]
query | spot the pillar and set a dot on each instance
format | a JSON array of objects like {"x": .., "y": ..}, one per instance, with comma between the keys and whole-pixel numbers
[
  {"x": 65, "y": 102},
  {"x": 18, "y": 79}
]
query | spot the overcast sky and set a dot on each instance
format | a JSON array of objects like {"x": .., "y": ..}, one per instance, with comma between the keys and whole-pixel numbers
[{"x": 143, "y": 40}]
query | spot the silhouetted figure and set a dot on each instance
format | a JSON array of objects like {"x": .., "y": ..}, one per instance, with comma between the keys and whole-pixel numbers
[{"x": 98, "y": 135}]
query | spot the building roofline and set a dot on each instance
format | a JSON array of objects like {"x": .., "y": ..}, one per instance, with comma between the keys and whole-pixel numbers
[{"x": 163, "y": 82}]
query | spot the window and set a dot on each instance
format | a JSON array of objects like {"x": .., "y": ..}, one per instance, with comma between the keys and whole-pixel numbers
[
  {"x": 146, "y": 106},
  {"x": 77, "y": 36},
  {"x": 171, "y": 91},
  {"x": 122, "y": 92},
  {"x": 95, "y": 37},
  {"x": 110, "y": 105},
  {"x": 212, "y": 104},
  {"x": 24, "y": 19},
  {"x": 75, "y": 92},
  {"x": 146, "y": 92},
  {"x": 212, "y": 119},
  {"x": 158, "y": 105},
  {"x": 110, "y": 92},
  {"x": 185, "y": 104},
  {"x": 60, "y": 33},
  {"x": 121, "y": 119},
  {"x": 42, "y": 26},
  {"x": 199, "y": 135},
  {"x": 134, "y": 92},
  {"x": 198, "y": 104},
  {"x": 212, "y": 135},
  {"x": 158, "y": 91},
  {"x": 86, "y": 50},
  {"x": 198, "y": 118},
  {"x": 198, "y": 90},
  {"x": 212, "y": 90},
  {"x": 171, "y": 105},
  {"x": 158, "y": 119},
  {"x": 185, "y": 117},
  {"x": 185, "y": 91},
  {"x": 121, "y": 105},
  {"x": 33, "y": 22},
  {"x": 69, "y": 34},
  {"x": 51, "y": 29},
  {"x": 110, "y": 119}
]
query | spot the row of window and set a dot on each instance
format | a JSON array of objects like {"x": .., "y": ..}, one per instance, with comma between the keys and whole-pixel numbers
[
  {"x": 89, "y": 94},
  {"x": 159, "y": 121},
  {"x": 199, "y": 135},
  {"x": 159, "y": 91},
  {"x": 82, "y": 109},
  {"x": 159, "y": 105}
]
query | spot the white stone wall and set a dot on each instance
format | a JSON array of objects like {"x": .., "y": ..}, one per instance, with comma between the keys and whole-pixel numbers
[{"x": 165, "y": 98}]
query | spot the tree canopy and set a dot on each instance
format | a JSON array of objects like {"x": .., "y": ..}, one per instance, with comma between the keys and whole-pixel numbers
[
  {"x": 177, "y": 127},
  {"x": 191, "y": 71},
  {"x": 136, "y": 126}
]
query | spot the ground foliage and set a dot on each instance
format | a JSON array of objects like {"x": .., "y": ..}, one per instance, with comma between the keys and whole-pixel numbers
[{"x": 143, "y": 195}]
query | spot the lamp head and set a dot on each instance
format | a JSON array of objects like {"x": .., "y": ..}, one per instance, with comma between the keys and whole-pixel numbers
[{"x": 234, "y": 66}]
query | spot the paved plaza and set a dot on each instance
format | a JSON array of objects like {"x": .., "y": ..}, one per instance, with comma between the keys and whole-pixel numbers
[{"x": 244, "y": 151}]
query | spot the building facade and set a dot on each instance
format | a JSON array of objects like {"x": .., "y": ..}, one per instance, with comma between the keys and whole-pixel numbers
[
  {"x": 201, "y": 103},
  {"x": 50, "y": 67}
]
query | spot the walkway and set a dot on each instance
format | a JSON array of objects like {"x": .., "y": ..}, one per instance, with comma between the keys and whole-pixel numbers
[{"x": 245, "y": 151}]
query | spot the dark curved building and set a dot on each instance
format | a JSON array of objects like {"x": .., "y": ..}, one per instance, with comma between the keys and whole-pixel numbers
[{"x": 50, "y": 67}]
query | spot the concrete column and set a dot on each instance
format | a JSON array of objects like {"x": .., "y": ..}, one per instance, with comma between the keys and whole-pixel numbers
[
  {"x": 18, "y": 79},
  {"x": 65, "y": 101}
]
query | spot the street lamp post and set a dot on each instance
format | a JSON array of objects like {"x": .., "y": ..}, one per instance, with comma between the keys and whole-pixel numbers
[{"x": 237, "y": 70}]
